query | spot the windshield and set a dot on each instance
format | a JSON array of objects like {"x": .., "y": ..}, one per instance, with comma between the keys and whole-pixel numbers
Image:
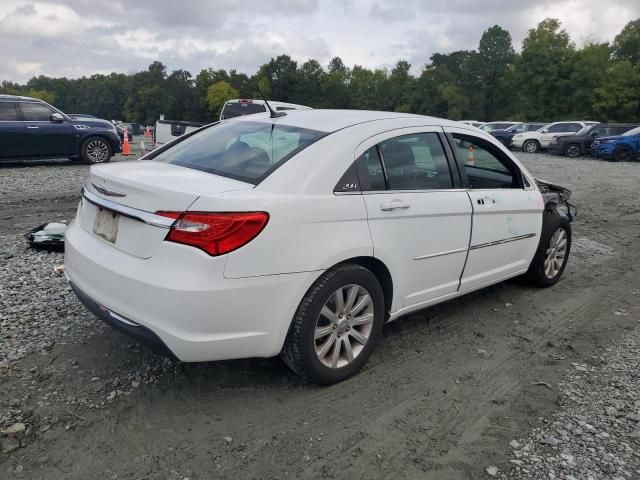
[
  {"x": 583, "y": 130},
  {"x": 246, "y": 151},
  {"x": 631, "y": 133}
]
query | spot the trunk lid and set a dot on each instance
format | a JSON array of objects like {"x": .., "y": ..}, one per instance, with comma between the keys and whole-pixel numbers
[{"x": 119, "y": 198}]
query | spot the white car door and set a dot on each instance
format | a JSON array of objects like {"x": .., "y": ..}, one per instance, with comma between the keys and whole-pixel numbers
[
  {"x": 419, "y": 216},
  {"x": 507, "y": 212}
]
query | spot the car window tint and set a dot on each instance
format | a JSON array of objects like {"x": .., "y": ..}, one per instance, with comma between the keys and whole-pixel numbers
[
  {"x": 559, "y": 127},
  {"x": 8, "y": 111},
  {"x": 35, "y": 112},
  {"x": 573, "y": 127},
  {"x": 244, "y": 150},
  {"x": 370, "y": 171},
  {"x": 416, "y": 162},
  {"x": 238, "y": 109},
  {"x": 485, "y": 166}
]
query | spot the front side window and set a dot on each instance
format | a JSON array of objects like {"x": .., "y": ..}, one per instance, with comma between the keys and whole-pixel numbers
[
  {"x": 36, "y": 112},
  {"x": 8, "y": 111},
  {"x": 485, "y": 166},
  {"x": 415, "y": 162},
  {"x": 243, "y": 150}
]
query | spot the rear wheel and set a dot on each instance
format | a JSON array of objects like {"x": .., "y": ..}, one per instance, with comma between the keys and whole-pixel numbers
[
  {"x": 531, "y": 146},
  {"x": 336, "y": 325},
  {"x": 622, "y": 154},
  {"x": 572, "y": 150},
  {"x": 95, "y": 150},
  {"x": 553, "y": 250}
]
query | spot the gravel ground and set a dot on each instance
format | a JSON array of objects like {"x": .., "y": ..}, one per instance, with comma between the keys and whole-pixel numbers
[{"x": 536, "y": 383}]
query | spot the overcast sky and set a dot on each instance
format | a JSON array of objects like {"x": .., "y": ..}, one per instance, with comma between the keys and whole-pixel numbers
[{"x": 81, "y": 37}]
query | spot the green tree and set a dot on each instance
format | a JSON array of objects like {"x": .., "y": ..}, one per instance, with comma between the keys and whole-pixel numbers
[
  {"x": 543, "y": 72},
  {"x": 495, "y": 53},
  {"x": 218, "y": 94},
  {"x": 618, "y": 97},
  {"x": 626, "y": 45}
]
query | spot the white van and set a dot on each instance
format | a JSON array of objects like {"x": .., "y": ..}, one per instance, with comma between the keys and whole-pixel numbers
[{"x": 247, "y": 106}]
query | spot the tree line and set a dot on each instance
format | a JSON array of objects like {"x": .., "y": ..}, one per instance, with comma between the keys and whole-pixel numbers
[{"x": 549, "y": 79}]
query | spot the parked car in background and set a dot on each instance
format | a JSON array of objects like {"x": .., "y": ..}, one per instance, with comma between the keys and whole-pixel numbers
[
  {"x": 248, "y": 106},
  {"x": 167, "y": 130},
  {"x": 502, "y": 125},
  {"x": 506, "y": 136},
  {"x": 380, "y": 214},
  {"x": 120, "y": 127},
  {"x": 473, "y": 123},
  {"x": 532, "y": 142},
  {"x": 580, "y": 144},
  {"x": 32, "y": 129},
  {"x": 620, "y": 148}
]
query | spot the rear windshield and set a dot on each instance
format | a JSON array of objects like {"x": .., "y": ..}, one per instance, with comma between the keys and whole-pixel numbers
[
  {"x": 237, "y": 109},
  {"x": 246, "y": 151}
]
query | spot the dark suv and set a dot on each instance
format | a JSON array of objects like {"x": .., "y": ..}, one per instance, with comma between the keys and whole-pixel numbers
[
  {"x": 580, "y": 143},
  {"x": 33, "y": 129}
]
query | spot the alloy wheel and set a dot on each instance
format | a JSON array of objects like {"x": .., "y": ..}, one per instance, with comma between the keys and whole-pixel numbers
[
  {"x": 573, "y": 151},
  {"x": 530, "y": 147},
  {"x": 556, "y": 252},
  {"x": 344, "y": 326},
  {"x": 97, "y": 151}
]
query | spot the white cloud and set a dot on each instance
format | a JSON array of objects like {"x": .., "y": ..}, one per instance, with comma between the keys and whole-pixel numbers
[{"x": 82, "y": 37}]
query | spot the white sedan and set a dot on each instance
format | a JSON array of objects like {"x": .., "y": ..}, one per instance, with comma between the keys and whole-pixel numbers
[{"x": 302, "y": 235}]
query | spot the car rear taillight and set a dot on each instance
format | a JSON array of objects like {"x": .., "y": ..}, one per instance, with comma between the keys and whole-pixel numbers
[{"x": 215, "y": 233}]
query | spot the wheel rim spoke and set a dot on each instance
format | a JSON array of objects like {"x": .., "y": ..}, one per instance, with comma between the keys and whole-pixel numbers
[
  {"x": 322, "y": 332},
  {"x": 344, "y": 326},
  {"x": 358, "y": 336}
]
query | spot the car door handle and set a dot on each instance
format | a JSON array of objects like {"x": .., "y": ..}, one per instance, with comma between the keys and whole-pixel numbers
[
  {"x": 393, "y": 205},
  {"x": 32, "y": 126}
]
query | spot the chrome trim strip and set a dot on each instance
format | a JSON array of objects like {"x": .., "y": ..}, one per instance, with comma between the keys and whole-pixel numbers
[
  {"x": 499, "y": 242},
  {"x": 146, "y": 217},
  {"x": 107, "y": 191},
  {"x": 120, "y": 318},
  {"x": 440, "y": 254}
]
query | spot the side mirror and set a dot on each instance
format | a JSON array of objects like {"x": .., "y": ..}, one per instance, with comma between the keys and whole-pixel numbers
[
  {"x": 56, "y": 118},
  {"x": 594, "y": 134}
]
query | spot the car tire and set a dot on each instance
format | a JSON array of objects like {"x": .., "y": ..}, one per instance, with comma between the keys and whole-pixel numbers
[
  {"x": 531, "y": 146},
  {"x": 622, "y": 154},
  {"x": 551, "y": 256},
  {"x": 95, "y": 150},
  {"x": 572, "y": 150},
  {"x": 322, "y": 325}
]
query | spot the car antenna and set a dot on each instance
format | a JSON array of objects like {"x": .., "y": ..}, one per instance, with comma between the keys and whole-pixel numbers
[{"x": 273, "y": 114}]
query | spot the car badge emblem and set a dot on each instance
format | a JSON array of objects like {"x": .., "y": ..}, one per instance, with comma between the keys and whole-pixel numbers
[{"x": 107, "y": 191}]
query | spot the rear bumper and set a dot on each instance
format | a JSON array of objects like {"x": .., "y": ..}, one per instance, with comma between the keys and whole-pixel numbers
[
  {"x": 124, "y": 325},
  {"x": 179, "y": 301}
]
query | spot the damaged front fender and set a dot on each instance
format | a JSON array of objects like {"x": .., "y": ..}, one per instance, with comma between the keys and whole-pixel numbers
[{"x": 556, "y": 198}]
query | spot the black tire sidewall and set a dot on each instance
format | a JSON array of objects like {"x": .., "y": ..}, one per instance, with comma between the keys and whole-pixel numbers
[
  {"x": 617, "y": 152},
  {"x": 83, "y": 151},
  {"x": 550, "y": 223},
  {"x": 568, "y": 148},
  {"x": 345, "y": 275}
]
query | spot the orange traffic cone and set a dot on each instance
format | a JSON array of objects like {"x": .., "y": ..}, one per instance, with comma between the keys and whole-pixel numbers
[
  {"x": 471, "y": 159},
  {"x": 126, "y": 148},
  {"x": 147, "y": 133}
]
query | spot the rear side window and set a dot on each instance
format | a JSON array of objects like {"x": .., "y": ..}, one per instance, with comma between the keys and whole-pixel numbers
[
  {"x": 8, "y": 111},
  {"x": 416, "y": 162},
  {"x": 35, "y": 112},
  {"x": 243, "y": 150},
  {"x": 238, "y": 109},
  {"x": 370, "y": 171}
]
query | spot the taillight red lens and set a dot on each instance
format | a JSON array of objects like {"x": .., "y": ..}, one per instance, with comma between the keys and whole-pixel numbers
[{"x": 215, "y": 233}]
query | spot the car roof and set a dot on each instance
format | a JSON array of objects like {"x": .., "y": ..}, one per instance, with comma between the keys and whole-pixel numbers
[
  {"x": 334, "y": 120},
  {"x": 273, "y": 103},
  {"x": 13, "y": 98}
]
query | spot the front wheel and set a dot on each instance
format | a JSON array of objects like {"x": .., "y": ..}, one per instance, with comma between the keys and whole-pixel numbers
[
  {"x": 622, "y": 154},
  {"x": 95, "y": 150},
  {"x": 553, "y": 251},
  {"x": 572, "y": 150},
  {"x": 336, "y": 325},
  {"x": 531, "y": 146}
]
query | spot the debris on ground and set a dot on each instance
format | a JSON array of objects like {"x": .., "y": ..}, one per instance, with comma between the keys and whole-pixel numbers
[{"x": 48, "y": 236}]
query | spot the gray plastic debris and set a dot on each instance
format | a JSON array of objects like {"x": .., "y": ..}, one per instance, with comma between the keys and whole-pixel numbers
[{"x": 48, "y": 236}]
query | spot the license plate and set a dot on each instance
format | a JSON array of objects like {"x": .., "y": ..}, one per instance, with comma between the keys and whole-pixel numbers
[{"x": 106, "y": 225}]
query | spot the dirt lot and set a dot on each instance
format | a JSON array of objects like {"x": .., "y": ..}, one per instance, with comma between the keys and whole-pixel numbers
[{"x": 441, "y": 398}]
